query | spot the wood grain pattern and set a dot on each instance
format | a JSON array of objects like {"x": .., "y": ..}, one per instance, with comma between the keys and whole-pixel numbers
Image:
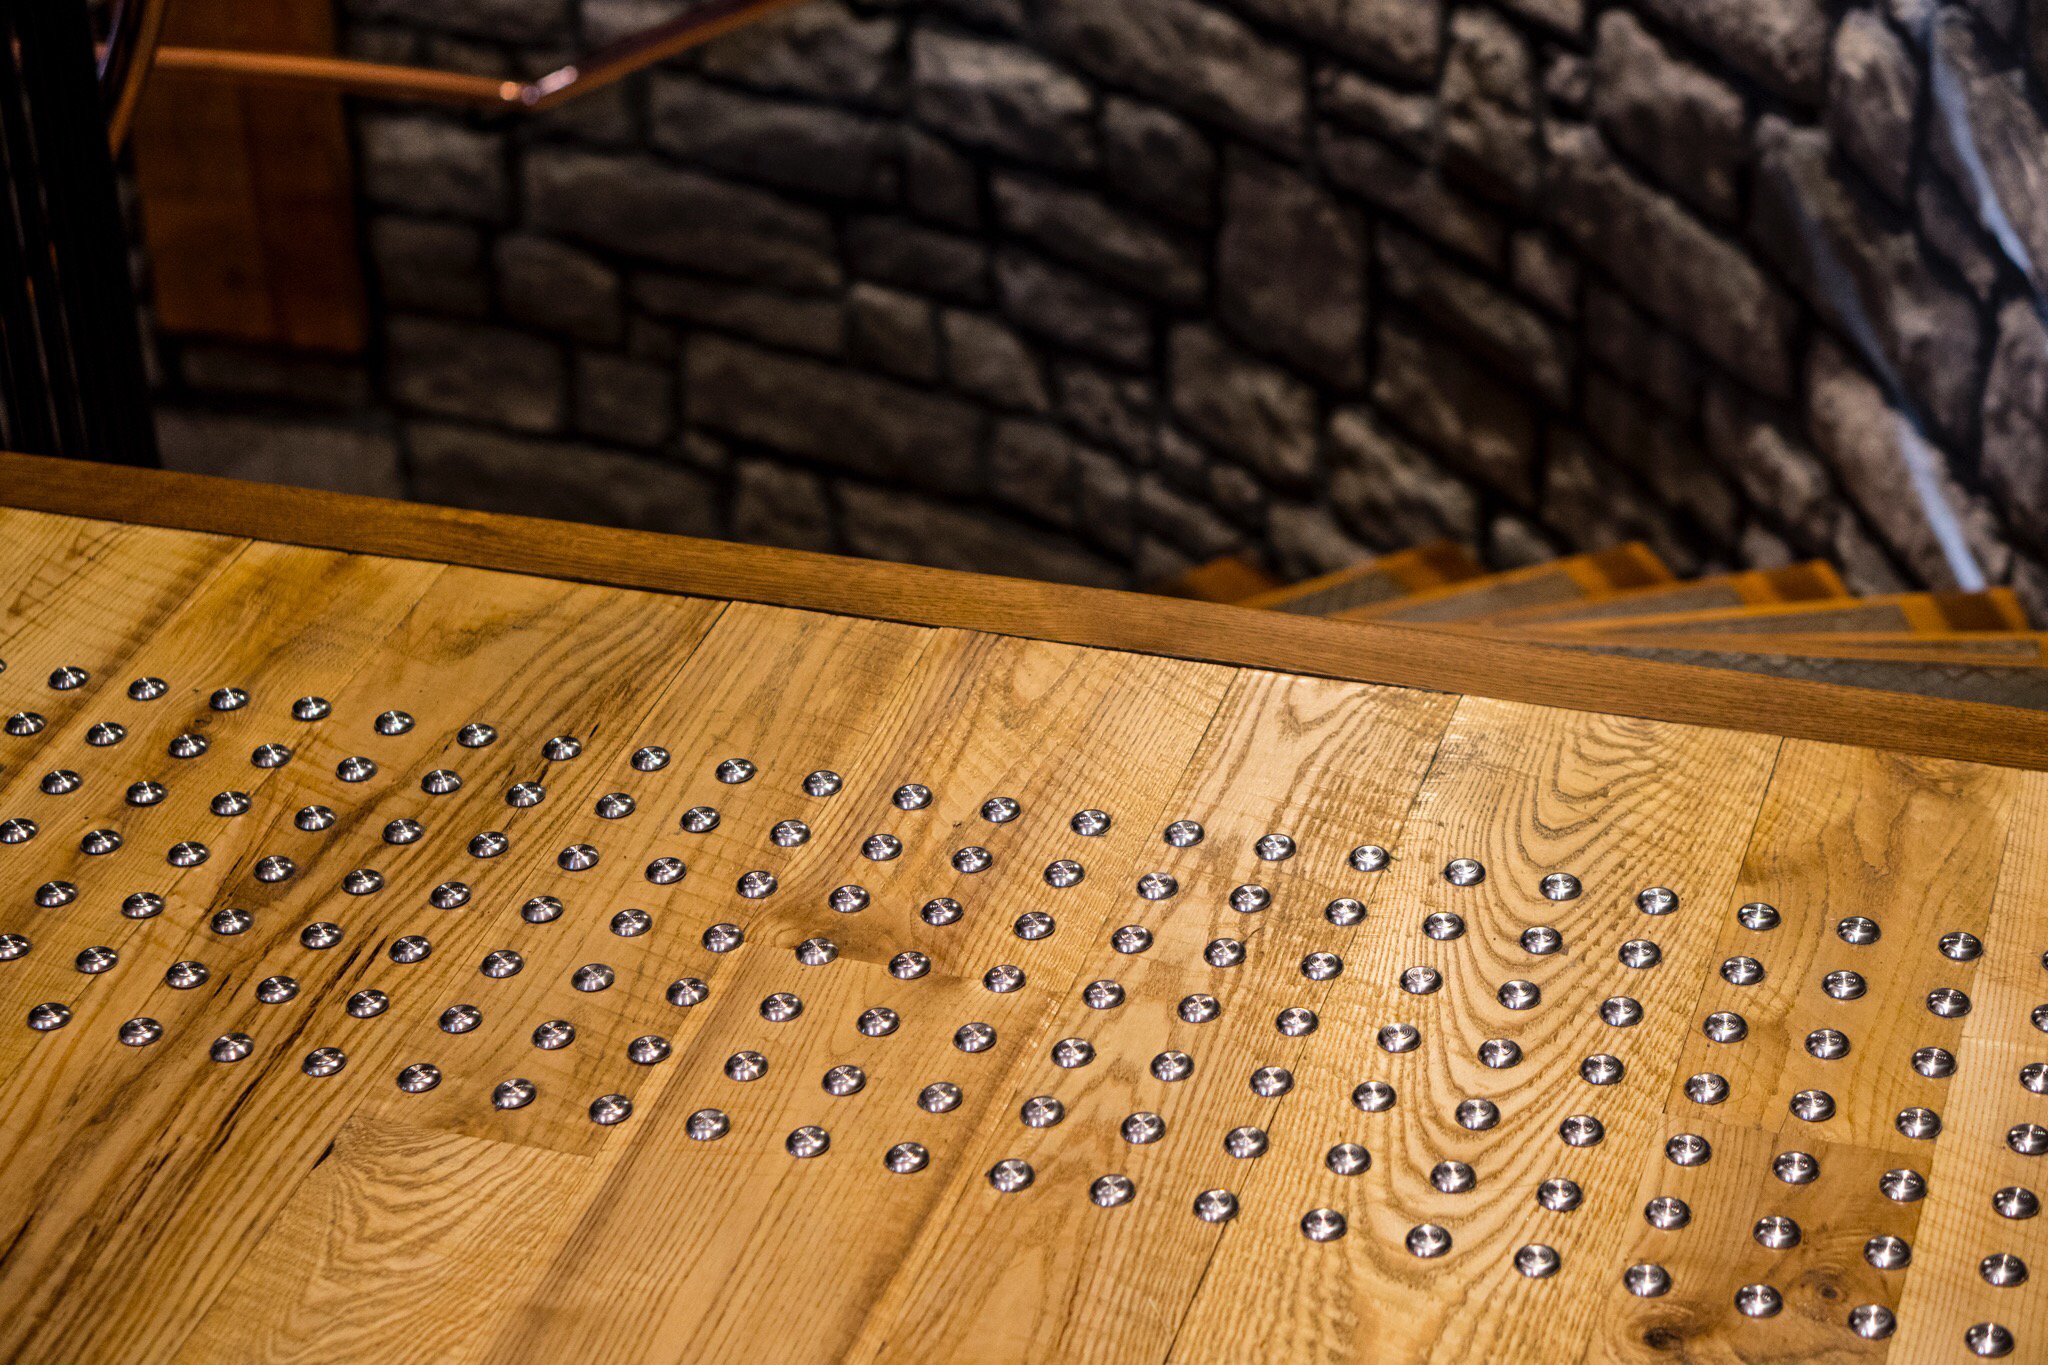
[{"x": 1123, "y": 621}]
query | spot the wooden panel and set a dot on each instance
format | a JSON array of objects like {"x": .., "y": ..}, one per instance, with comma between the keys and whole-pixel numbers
[
  {"x": 248, "y": 196},
  {"x": 1124, "y": 621}
]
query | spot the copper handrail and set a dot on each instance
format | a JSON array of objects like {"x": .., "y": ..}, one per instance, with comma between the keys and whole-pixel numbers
[{"x": 608, "y": 64}]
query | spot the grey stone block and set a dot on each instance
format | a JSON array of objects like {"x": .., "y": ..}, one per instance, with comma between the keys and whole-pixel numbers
[
  {"x": 1871, "y": 97},
  {"x": 1664, "y": 454},
  {"x": 1159, "y": 160},
  {"x": 989, "y": 361},
  {"x": 1403, "y": 117},
  {"x": 1646, "y": 356},
  {"x": 485, "y": 374},
  {"x": 773, "y": 504},
  {"x": 811, "y": 147},
  {"x": 1783, "y": 43},
  {"x": 1397, "y": 36},
  {"x": 1452, "y": 405},
  {"x": 1086, "y": 230},
  {"x": 430, "y": 266},
  {"x": 1189, "y": 526},
  {"x": 1306, "y": 540},
  {"x": 1390, "y": 493},
  {"x": 1545, "y": 272},
  {"x": 1776, "y": 472},
  {"x": 800, "y": 323},
  {"x": 465, "y": 467},
  {"x": 638, "y": 207},
  {"x": 427, "y": 164},
  {"x": 2015, "y": 462},
  {"x": 1072, "y": 309},
  {"x": 1254, "y": 413},
  {"x": 1184, "y": 54},
  {"x": 1592, "y": 506},
  {"x": 1490, "y": 322},
  {"x": 279, "y": 450},
  {"x": 823, "y": 50},
  {"x": 940, "y": 183},
  {"x": 838, "y": 417},
  {"x": 893, "y": 331},
  {"x": 1489, "y": 106},
  {"x": 622, "y": 399},
  {"x": 1382, "y": 176},
  {"x": 1002, "y": 96},
  {"x": 1290, "y": 266},
  {"x": 543, "y": 283},
  {"x": 1031, "y": 467},
  {"x": 906, "y": 254},
  {"x": 1112, "y": 410},
  {"x": 1688, "y": 127}
]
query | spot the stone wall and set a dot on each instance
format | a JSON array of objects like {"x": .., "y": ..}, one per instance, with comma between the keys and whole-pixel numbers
[{"x": 1095, "y": 289}]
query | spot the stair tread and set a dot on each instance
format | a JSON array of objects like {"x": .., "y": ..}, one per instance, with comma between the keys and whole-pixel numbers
[
  {"x": 1575, "y": 578},
  {"x": 1384, "y": 578},
  {"x": 1810, "y": 582},
  {"x": 1229, "y": 578}
]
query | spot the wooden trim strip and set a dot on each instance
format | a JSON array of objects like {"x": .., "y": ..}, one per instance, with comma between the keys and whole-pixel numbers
[{"x": 1398, "y": 656}]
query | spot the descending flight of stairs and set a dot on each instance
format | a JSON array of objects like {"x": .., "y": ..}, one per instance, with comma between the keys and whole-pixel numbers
[{"x": 1799, "y": 621}]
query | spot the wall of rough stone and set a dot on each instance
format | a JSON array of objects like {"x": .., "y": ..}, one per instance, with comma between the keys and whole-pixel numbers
[{"x": 1095, "y": 289}]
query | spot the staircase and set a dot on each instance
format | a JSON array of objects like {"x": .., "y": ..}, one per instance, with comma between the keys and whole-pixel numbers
[{"x": 1799, "y": 621}]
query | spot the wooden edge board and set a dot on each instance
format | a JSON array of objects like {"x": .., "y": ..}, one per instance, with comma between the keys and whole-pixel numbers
[
  {"x": 1813, "y": 581},
  {"x": 1923, "y": 613},
  {"x": 1398, "y": 656}
]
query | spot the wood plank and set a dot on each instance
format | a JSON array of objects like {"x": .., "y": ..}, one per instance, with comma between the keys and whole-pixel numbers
[
  {"x": 1150, "y": 625},
  {"x": 1045, "y": 1274},
  {"x": 1526, "y": 792}
]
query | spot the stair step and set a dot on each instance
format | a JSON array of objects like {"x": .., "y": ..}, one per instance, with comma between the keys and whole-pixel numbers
[
  {"x": 1576, "y": 578},
  {"x": 1231, "y": 578},
  {"x": 1403, "y": 573},
  {"x": 1811, "y": 582},
  {"x": 1994, "y": 609}
]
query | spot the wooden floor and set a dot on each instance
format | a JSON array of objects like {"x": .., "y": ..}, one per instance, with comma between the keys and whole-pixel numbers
[{"x": 158, "y": 1204}]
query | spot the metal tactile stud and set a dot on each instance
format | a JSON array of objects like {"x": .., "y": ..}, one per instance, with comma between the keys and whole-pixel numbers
[
  {"x": 1344, "y": 912},
  {"x": 52, "y": 895},
  {"x": 631, "y": 923},
  {"x": 1184, "y": 833},
  {"x": 1110, "y": 1191},
  {"x": 648, "y": 1049},
  {"x": 1215, "y": 1206},
  {"x": 1322, "y": 966},
  {"x": 312, "y": 709},
  {"x": 577, "y": 858},
  {"x": 1902, "y": 1186},
  {"x": 541, "y": 910},
  {"x": 1000, "y": 810},
  {"x": 231, "y": 1047},
  {"x": 1157, "y": 886},
  {"x": 1322, "y": 1225},
  {"x": 1918, "y": 1121},
  {"x": 449, "y": 896},
  {"x": 1102, "y": 995},
  {"x": 1223, "y": 952},
  {"x": 1776, "y": 1232},
  {"x": 1541, "y": 940},
  {"x": 1033, "y": 925},
  {"x": 105, "y": 734},
  {"x": 419, "y": 1078},
  {"x": 147, "y": 689},
  {"x": 733, "y": 771},
  {"x": 1537, "y": 1261},
  {"x": 687, "y": 991},
  {"x": 1646, "y": 1280},
  {"x": 2015, "y": 1201},
  {"x": 619, "y": 805},
  {"x": 609, "y": 1110},
  {"x": 650, "y": 758},
  {"x": 320, "y": 935},
  {"x": 49, "y": 1016},
  {"x": 143, "y": 793},
  {"x": 1172, "y": 1066},
  {"x": 1758, "y": 1301},
  {"x": 1041, "y": 1111},
  {"x": 1373, "y": 1097},
  {"x": 1813, "y": 1106},
  {"x": 229, "y": 804},
  {"x": 270, "y": 755},
  {"x": 882, "y": 848},
  {"x": 1069, "y": 1053},
  {"x": 184, "y": 853},
  {"x": 140, "y": 1031},
  {"x": 68, "y": 677},
  {"x": 707, "y": 1125},
  {"x": 1498, "y": 1054},
  {"x": 1742, "y": 971},
  {"x": 593, "y": 976},
  {"x": 1935, "y": 1063},
  {"x": 906, "y": 1158},
  {"x": 1198, "y": 1008},
  {"x": 789, "y": 833},
  {"x": 974, "y": 1037},
  {"x": 2003, "y": 1270},
  {"x": 1464, "y": 872},
  {"x": 276, "y": 990},
  {"x": 1273, "y": 848},
  {"x": 1422, "y": 980},
  {"x": 363, "y": 881},
  {"x": 1347, "y": 1158},
  {"x": 1887, "y": 1253},
  {"x": 368, "y": 1004},
  {"x": 1946, "y": 1002},
  {"x": 665, "y": 871},
  {"x": 1130, "y": 938},
  {"x": 1003, "y": 978},
  {"x": 229, "y": 921},
  {"x": 1706, "y": 1087},
  {"x": 185, "y": 976},
  {"x": 356, "y": 768},
  {"x": 1246, "y": 1142},
  {"x": 1601, "y": 1069},
  {"x": 100, "y": 842},
  {"x": 1656, "y": 900},
  {"x": 1844, "y": 985},
  {"x": 324, "y": 1061},
  {"x": 723, "y": 937},
  {"x": 60, "y": 782},
  {"x": 1250, "y": 898},
  {"x": 461, "y": 1019},
  {"x": 1795, "y": 1168},
  {"x": 823, "y": 782},
  {"x": 1443, "y": 925},
  {"x": 552, "y": 1035},
  {"x": 1368, "y": 858},
  {"x": 17, "y": 831},
  {"x": 973, "y": 859},
  {"x": 1452, "y": 1177},
  {"x": 1090, "y": 824},
  {"x": 1725, "y": 1026},
  {"x": 911, "y": 796},
  {"x": 516, "y": 1093},
  {"x": 500, "y": 963},
  {"x": 1988, "y": 1339},
  {"x": 1759, "y": 916},
  {"x": 1519, "y": 995},
  {"x": 1640, "y": 954},
  {"x": 1399, "y": 1037},
  {"x": 1063, "y": 872},
  {"x": 756, "y": 884},
  {"x": 1010, "y": 1175},
  {"x": 13, "y": 946},
  {"x": 941, "y": 911},
  {"x": 1560, "y": 886},
  {"x": 1271, "y": 1082},
  {"x": 1477, "y": 1115},
  {"x": 25, "y": 723},
  {"x": 1872, "y": 1321},
  {"x": 1428, "y": 1241},
  {"x": 1857, "y": 929},
  {"x": 1961, "y": 946},
  {"x": 525, "y": 795},
  {"x": 314, "y": 819},
  {"x": 274, "y": 867},
  {"x": 228, "y": 699},
  {"x": 1688, "y": 1149},
  {"x": 1559, "y": 1195},
  {"x": 2028, "y": 1139},
  {"x": 781, "y": 1007},
  {"x": 940, "y": 1097},
  {"x": 1142, "y": 1129}
]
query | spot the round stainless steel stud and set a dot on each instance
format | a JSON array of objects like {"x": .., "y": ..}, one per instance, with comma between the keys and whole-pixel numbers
[
  {"x": 2015, "y": 1201},
  {"x": 107, "y": 733},
  {"x": 577, "y": 858},
  {"x": 1795, "y": 1168},
  {"x": 449, "y": 896},
  {"x": 1010, "y": 1175},
  {"x": 686, "y": 991},
  {"x": 1537, "y": 1261},
  {"x": 312, "y": 709},
  {"x": 1519, "y": 995},
  {"x": 1041, "y": 1111},
  {"x": 974, "y": 1037},
  {"x": 324, "y": 1061},
  {"x": 1918, "y": 1121},
  {"x": 1464, "y": 872},
  {"x": 270, "y": 756},
  {"x": 1640, "y": 954},
  {"x": 1775, "y": 1232},
  {"x": 906, "y": 1158},
  {"x": 848, "y": 899},
  {"x": 1102, "y": 995},
  {"x": 231, "y": 1047},
  {"x": 147, "y": 689},
  {"x": 1198, "y": 1008},
  {"x": 525, "y": 795},
  {"x": 882, "y": 848},
  {"x": 1646, "y": 1280},
  {"x": 356, "y": 768},
  {"x": 707, "y": 1125},
  {"x": 1725, "y": 1026},
  {"x": 1688, "y": 1149},
  {"x": 229, "y": 921},
  {"x": 1706, "y": 1087},
  {"x": 1347, "y": 1158},
  {"x": 1172, "y": 1066},
  {"x": 1857, "y": 929},
  {"x": 1033, "y": 925},
  {"x": 501, "y": 963},
  {"x": 1157, "y": 886},
  {"x": 184, "y": 853},
  {"x": 1560, "y": 886},
  {"x": 49, "y": 1016},
  {"x": 140, "y": 1032},
  {"x": 461, "y": 1019},
  {"x": 1428, "y": 1241},
  {"x": 1935, "y": 1063},
  {"x": 1250, "y": 898},
  {"x": 1344, "y": 912},
  {"x": 619, "y": 805},
  {"x": 1452, "y": 1177},
  {"x": 1813, "y": 1106},
  {"x": 314, "y": 819},
  {"x": 320, "y": 935},
  {"x": 1581, "y": 1130},
  {"x": 1110, "y": 1191},
  {"x": 22, "y": 724},
  {"x": 1000, "y": 810},
  {"x": 665, "y": 871},
  {"x": 419, "y": 1078},
  {"x": 1541, "y": 940},
  {"x": 1273, "y": 848},
  {"x": 1742, "y": 971},
  {"x": 1758, "y": 1301},
  {"x": 1888, "y": 1253},
  {"x": 1477, "y": 1115},
  {"x": 561, "y": 748},
  {"x": 940, "y": 1097},
  {"x": 1215, "y": 1206},
  {"x": 17, "y": 831},
  {"x": 972, "y": 860},
  {"x": 1498, "y": 1054},
  {"x": 1368, "y": 858},
  {"x": 1063, "y": 872},
  {"x": 1902, "y": 1186},
  {"x": 1271, "y": 1082},
  {"x": 911, "y": 796},
  {"x": 1003, "y": 978},
  {"x": 1184, "y": 833},
  {"x": 1844, "y": 985},
  {"x": 273, "y": 868},
  {"x": 1961, "y": 946},
  {"x": 363, "y": 881},
  {"x": 1090, "y": 824},
  {"x": 817, "y": 952},
  {"x": 1223, "y": 952},
  {"x": 1602, "y": 1068},
  {"x": 1443, "y": 926},
  {"x": 93, "y": 961},
  {"x": 1321, "y": 966},
  {"x": 100, "y": 842},
  {"x": 479, "y": 735},
  {"x": 1559, "y": 1195},
  {"x": 822, "y": 783},
  {"x": 1373, "y": 1097},
  {"x": 552, "y": 1035},
  {"x": 275, "y": 990},
  {"x": 516, "y": 1093},
  {"x": 648, "y": 1049},
  {"x": 186, "y": 975},
  {"x": 2003, "y": 1270},
  {"x": 1421, "y": 980},
  {"x": 734, "y": 770},
  {"x": 2028, "y": 1139},
  {"x": 1245, "y": 1143},
  {"x": 649, "y": 758},
  {"x": 52, "y": 895},
  {"x": 756, "y": 884},
  {"x": 1069, "y": 1053},
  {"x": 13, "y": 946},
  {"x": 1758, "y": 916},
  {"x": 1946, "y": 1002},
  {"x": 781, "y": 1007},
  {"x": 61, "y": 782},
  {"x": 789, "y": 834},
  {"x": 1399, "y": 1037},
  {"x": 368, "y": 1004},
  {"x": 941, "y": 911},
  {"x": 1322, "y": 1225},
  {"x": 608, "y": 1110},
  {"x": 1656, "y": 900},
  {"x": 1872, "y": 1321},
  {"x": 228, "y": 699},
  {"x": 1988, "y": 1339},
  {"x": 593, "y": 976}
]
